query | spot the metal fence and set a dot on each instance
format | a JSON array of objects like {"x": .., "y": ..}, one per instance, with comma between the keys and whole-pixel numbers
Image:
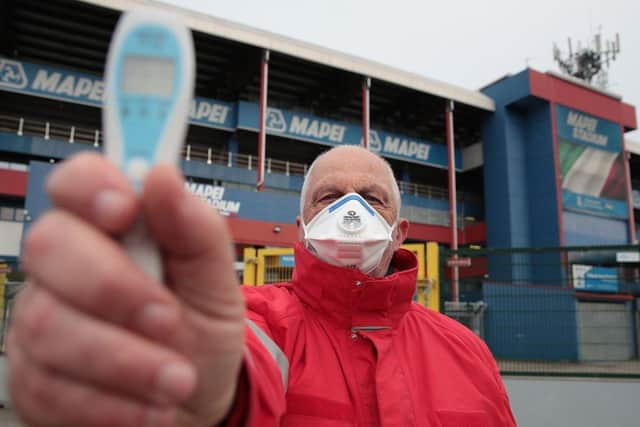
[
  {"x": 11, "y": 290},
  {"x": 552, "y": 311},
  {"x": 88, "y": 136},
  {"x": 555, "y": 311}
]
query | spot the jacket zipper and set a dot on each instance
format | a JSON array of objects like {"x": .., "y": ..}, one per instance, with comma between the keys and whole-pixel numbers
[{"x": 356, "y": 329}]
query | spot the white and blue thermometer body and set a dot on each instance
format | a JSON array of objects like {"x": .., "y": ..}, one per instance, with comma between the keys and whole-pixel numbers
[{"x": 149, "y": 82}]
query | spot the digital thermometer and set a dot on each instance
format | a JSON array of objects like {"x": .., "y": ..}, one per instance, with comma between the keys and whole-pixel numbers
[{"x": 149, "y": 81}]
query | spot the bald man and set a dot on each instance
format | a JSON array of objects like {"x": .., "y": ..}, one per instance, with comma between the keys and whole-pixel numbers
[{"x": 95, "y": 342}]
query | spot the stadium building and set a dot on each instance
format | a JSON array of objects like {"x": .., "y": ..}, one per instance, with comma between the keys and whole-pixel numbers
[
  {"x": 540, "y": 159},
  {"x": 53, "y": 60}
]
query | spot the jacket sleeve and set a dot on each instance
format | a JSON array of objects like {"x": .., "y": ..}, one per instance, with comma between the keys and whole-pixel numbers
[{"x": 260, "y": 395}]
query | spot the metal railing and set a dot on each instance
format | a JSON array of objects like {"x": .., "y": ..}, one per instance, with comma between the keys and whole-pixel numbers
[
  {"x": 572, "y": 311},
  {"x": 81, "y": 135},
  {"x": 11, "y": 290}
]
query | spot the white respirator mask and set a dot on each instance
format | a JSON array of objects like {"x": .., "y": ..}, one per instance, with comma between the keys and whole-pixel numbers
[{"x": 349, "y": 233}]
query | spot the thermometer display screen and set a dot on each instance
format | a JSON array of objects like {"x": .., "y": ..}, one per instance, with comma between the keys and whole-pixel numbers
[{"x": 144, "y": 75}]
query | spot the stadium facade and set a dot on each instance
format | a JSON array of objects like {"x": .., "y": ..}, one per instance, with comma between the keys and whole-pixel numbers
[{"x": 540, "y": 158}]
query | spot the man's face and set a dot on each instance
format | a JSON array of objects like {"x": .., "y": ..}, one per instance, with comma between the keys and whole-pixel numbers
[{"x": 352, "y": 170}]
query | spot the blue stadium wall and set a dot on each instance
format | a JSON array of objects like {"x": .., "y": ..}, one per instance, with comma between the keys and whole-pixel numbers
[{"x": 523, "y": 209}]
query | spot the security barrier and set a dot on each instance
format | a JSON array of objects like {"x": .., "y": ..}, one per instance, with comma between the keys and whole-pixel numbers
[
  {"x": 8, "y": 292},
  {"x": 274, "y": 265},
  {"x": 568, "y": 311},
  {"x": 267, "y": 265}
]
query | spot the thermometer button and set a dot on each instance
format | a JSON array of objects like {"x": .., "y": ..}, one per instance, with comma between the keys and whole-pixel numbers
[{"x": 137, "y": 168}]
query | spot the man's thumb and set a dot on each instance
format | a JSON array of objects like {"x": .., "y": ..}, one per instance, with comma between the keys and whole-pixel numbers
[{"x": 195, "y": 242}]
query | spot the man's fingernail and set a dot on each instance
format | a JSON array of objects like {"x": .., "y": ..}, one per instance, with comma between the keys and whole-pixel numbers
[
  {"x": 176, "y": 380},
  {"x": 110, "y": 205},
  {"x": 159, "y": 417}
]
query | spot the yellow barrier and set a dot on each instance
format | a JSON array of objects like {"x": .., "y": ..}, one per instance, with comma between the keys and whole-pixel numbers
[
  {"x": 422, "y": 285},
  {"x": 267, "y": 265},
  {"x": 273, "y": 265},
  {"x": 433, "y": 301},
  {"x": 250, "y": 262}
]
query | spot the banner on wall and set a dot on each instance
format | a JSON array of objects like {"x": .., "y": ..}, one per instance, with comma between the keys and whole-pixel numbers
[
  {"x": 87, "y": 89},
  {"x": 307, "y": 127},
  {"x": 228, "y": 201},
  {"x": 595, "y": 279},
  {"x": 82, "y": 88},
  {"x": 214, "y": 196},
  {"x": 591, "y": 164}
]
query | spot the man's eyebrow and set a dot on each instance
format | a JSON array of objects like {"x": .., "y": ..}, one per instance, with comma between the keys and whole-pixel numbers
[
  {"x": 373, "y": 188},
  {"x": 331, "y": 188}
]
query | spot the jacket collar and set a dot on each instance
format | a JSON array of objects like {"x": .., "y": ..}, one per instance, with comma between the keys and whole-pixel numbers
[{"x": 351, "y": 298}]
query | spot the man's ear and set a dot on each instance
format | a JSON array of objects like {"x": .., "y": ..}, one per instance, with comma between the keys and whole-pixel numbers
[{"x": 402, "y": 230}]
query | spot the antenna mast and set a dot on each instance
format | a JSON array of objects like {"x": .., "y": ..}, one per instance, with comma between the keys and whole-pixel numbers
[{"x": 588, "y": 63}]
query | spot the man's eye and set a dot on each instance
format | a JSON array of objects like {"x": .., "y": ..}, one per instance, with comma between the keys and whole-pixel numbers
[
  {"x": 328, "y": 198},
  {"x": 372, "y": 199}
]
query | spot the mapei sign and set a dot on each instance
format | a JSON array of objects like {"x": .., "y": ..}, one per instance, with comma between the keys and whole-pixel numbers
[
  {"x": 307, "y": 127},
  {"x": 81, "y": 88},
  {"x": 584, "y": 129},
  {"x": 214, "y": 196},
  {"x": 60, "y": 84}
]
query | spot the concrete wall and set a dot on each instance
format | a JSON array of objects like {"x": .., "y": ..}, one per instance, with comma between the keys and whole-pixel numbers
[
  {"x": 574, "y": 402},
  {"x": 605, "y": 331},
  {"x": 10, "y": 238}
]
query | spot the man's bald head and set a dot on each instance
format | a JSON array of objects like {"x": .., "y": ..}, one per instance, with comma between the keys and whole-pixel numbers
[
  {"x": 352, "y": 169},
  {"x": 350, "y": 158}
]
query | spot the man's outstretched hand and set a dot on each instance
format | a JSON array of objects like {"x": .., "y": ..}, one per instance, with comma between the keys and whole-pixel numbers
[{"x": 95, "y": 342}]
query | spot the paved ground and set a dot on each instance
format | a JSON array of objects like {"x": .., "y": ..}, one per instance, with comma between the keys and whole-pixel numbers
[
  {"x": 630, "y": 368},
  {"x": 8, "y": 419}
]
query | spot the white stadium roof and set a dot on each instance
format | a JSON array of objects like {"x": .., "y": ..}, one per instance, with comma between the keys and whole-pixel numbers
[{"x": 311, "y": 52}]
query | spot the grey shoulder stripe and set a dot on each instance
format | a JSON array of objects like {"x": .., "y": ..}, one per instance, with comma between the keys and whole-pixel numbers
[{"x": 275, "y": 351}]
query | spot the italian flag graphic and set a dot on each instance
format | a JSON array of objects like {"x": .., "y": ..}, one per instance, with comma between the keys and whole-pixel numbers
[{"x": 591, "y": 171}]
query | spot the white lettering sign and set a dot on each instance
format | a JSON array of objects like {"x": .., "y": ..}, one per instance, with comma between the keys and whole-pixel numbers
[
  {"x": 406, "y": 147},
  {"x": 70, "y": 85},
  {"x": 213, "y": 195},
  {"x": 584, "y": 129},
  {"x": 213, "y": 113},
  {"x": 318, "y": 129}
]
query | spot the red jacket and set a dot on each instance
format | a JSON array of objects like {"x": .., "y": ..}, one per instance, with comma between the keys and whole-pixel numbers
[{"x": 361, "y": 353}]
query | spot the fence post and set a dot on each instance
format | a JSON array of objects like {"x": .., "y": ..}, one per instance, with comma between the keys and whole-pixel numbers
[
  {"x": 188, "y": 152},
  {"x": 72, "y": 134},
  {"x": 209, "y": 156},
  {"x": 249, "y": 273},
  {"x": 46, "y": 130},
  {"x": 20, "y": 126},
  {"x": 433, "y": 274},
  {"x": 249, "y": 162},
  {"x": 260, "y": 267},
  {"x": 96, "y": 138},
  {"x": 269, "y": 165},
  {"x": 287, "y": 168}
]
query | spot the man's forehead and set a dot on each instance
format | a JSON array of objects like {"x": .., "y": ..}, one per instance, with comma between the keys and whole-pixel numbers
[
  {"x": 350, "y": 168},
  {"x": 351, "y": 159}
]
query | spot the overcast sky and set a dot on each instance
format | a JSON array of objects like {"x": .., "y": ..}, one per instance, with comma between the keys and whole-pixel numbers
[{"x": 466, "y": 43}]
